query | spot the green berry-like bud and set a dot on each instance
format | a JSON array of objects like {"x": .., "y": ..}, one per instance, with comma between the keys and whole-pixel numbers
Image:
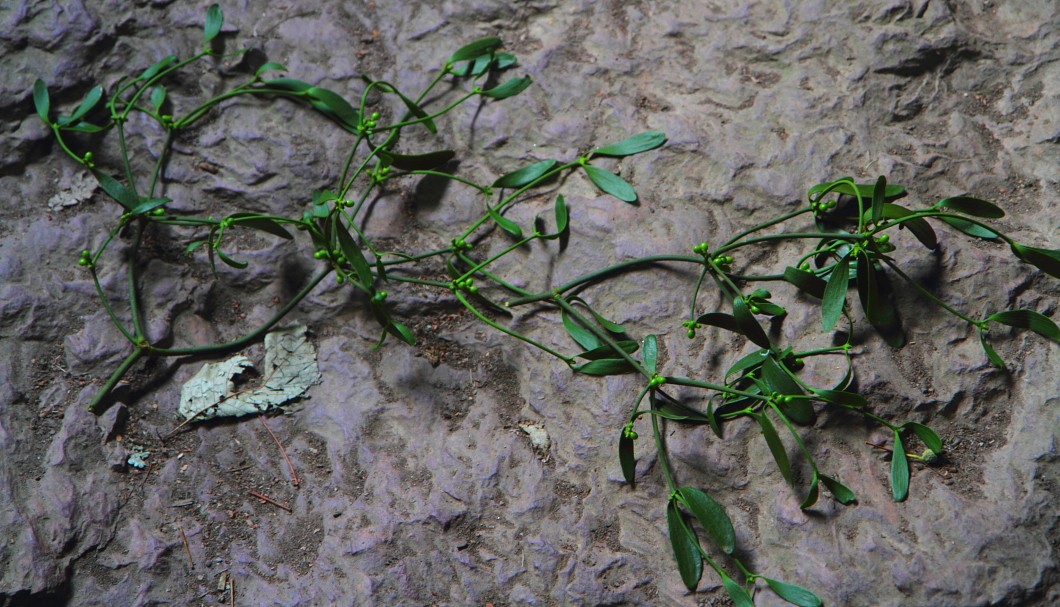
[
  {"x": 374, "y": 116},
  {"x": 472, "y": 289},
  {"x": 804, "y": 266},
  {"x": 320, "y": 254},
  {"x": 691, "y": 333},
  {"x": 754, "y": 309},
  {"x": 83, "y": 261},
  {"x": 883, "y": 238}
]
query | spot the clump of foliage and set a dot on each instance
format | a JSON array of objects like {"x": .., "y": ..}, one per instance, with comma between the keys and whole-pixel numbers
[{"x": 845, "y": 233}]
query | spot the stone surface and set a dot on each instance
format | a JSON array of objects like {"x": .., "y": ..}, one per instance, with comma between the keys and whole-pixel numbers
[{"x": 417, "y": 485}]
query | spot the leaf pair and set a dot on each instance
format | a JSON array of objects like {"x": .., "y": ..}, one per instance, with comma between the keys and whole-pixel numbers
[
  {"x": 478, "y": 57},
  {"x": 683, "y": 540},
  {"x": 1021, "y": 319},
  {"x": 327, "y": 102},
  {"x": 900, "y": 460},
  {"x": 610, "y": 183},
  {"x": 604, "y": 359},
  {"x": 874, "y": 293},
  {"x": 741, "y": 321}
]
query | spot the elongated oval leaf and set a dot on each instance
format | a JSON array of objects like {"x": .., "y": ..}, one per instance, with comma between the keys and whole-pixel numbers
[
  {"x": 775, "y": 447},
  {"x": 114, "y": 188},
  {"x": 611, "y": 184},
  {"x": 562, "y": 218},
  {"x": 417, "y": 111},
  {"x": 418, "y": 162},
  {"x": 749, "y": 324},
  {"x": 578, "y": 333},
  {"x": 264, "y": 224},
  {"x": 332, "y": 103},
  {"x": 626, "y": 457},
  {"x": 970, "y": 228},
  {"x": 401, "y": 332},
  {"x": 899, "y": 470},
  {"x": 1046, "y": 260},
  {"x": 473, "y": 50},
  {"x": 845, "y": 186},
  {"x": 510, "y": 88},
  {"x": 214, "y": 19},
  {"x": 736, "y": 592},
  {"x": 650, "y": 352},
  {"x": 750, "y": 362},
  {"x": 504, "y": 61},
  {"x": 990, "y": 353},
  {"x": 472, "y": 68},
  {"x": 930, "y": 439},
  {"x": 158, "y": 97},
  {"x": 157, "y": 67},
  {"x": 868, "y": 291},
  {"x": 919, "y": 226},
  {"x": 812, "y": 494},
  {"x": 149, "y": 204},
  {"x": 850, "y": 400},
  {"x": 354, "y": 255},
  {"x": 506, "y": 224},
  {"x": 796, "y": 595},
  {"x": 1028, "y": 319},
  {"x": 641, "y": 142},
  {"x": 276, "y": 67},
  {"x": 229, "y": 261},
  {"x": 711, "y": 516},
  {"x": 606, "y": 366},
  {"x": 288, "y": 84},
  {"x": 611, "y": 326},
  {"x": 835, "y": 294},
  {"x": 720, "y": 320},
  {"x": 606, "y": 351},
  {"x": 970, "y": 205},
  {"x": 90, "y": 100},
  {"x": 41, "y": 100},
  {"x": 839, "y": 491},
  {"x": 85, "y": 127},
  {"x": 669, "y": 408},
  {"x": 878, "y": 197},
  {"x": 685, "y": 546},
  {"x": 525, "y": 175},
  {"x": 777, "y": 380}
]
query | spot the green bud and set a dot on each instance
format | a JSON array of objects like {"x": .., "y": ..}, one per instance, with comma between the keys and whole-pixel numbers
[{"x": 691, "y": 333}]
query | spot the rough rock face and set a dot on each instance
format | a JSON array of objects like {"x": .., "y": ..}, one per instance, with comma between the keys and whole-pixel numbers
[{"x": 417, "y": 486}]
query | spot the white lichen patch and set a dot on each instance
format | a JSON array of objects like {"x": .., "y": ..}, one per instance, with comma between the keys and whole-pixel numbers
[
  {"x": 290, "y": 368},
  {"x": 539, "y": 438}
]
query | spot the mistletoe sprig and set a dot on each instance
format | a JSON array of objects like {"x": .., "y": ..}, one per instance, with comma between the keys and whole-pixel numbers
[{"x": 846, "y": 233}]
